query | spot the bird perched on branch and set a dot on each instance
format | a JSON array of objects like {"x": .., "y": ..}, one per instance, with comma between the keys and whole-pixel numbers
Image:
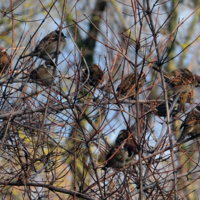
[
  {"x": 47, "y": 47},
  {"x": 4, "y": 60},
  {"x": 191, "y": 124},
  {"x": 94, "y": 76},
  {"x": 122, "y": 153},
  {"x": 181, "y": 80},
  {"x": 44, "y": 74},
  {"x": 127, "y": 86}
]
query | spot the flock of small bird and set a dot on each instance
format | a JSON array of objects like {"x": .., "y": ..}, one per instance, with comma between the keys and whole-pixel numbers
[
  {"x": 181, "y": 82},
  {"x": 47, "y": 50}
]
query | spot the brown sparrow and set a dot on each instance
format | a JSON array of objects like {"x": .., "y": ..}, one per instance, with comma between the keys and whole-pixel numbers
[
  {"x": 127, "y": 86},
  {"x": 47, "y": 48},
  {"x": 191, "y": 124},
  {"x": 181, "y": 80},
  {"x": 44, "y": 73},
  {"x": 122, "y": 153},
  {"x": 4, "y": 60},
  {"x": 95, "y": 75}
]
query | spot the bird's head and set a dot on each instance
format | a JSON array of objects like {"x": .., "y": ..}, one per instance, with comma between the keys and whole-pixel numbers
[
  {"x": 57, "y": 33},
  {"x": 123, "y": 135}
]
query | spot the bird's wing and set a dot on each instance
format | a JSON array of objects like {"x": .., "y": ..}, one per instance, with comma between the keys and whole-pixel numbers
[
  {"x": 127, "y": 83},
  {"x": 181, "y": 77},
  {"x": 51, "y": 37},
  {"x": 190, "y": 120}
]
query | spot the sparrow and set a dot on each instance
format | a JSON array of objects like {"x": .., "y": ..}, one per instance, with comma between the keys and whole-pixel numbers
[
  {"x": 122, "y": 153},
  {"x": 181, "y": 80},
  {"x": 184, "y": 98},
  {"x": 47, "y": 47},
  {"x": 127, "y": 86},
  {"x": 44, "y": 73},
  {"x": 4, "y": 60},
  {"x": 191, "y": 124},
  {"x": 94, "y": 76}
]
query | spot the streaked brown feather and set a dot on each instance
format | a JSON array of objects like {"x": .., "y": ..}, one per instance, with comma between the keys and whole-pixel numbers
[
  {"x": 191, "y": 124},
  {"x": 179, "y": 77},
  {"x": 48, "y": 46},
  {"x": 122, "y": 153},
  {"x": 43, "y": 74},
  {"x": 95, "y": 76},
  {"x": 127, "y": 86},
  {"x": 4, "y": 61}
]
